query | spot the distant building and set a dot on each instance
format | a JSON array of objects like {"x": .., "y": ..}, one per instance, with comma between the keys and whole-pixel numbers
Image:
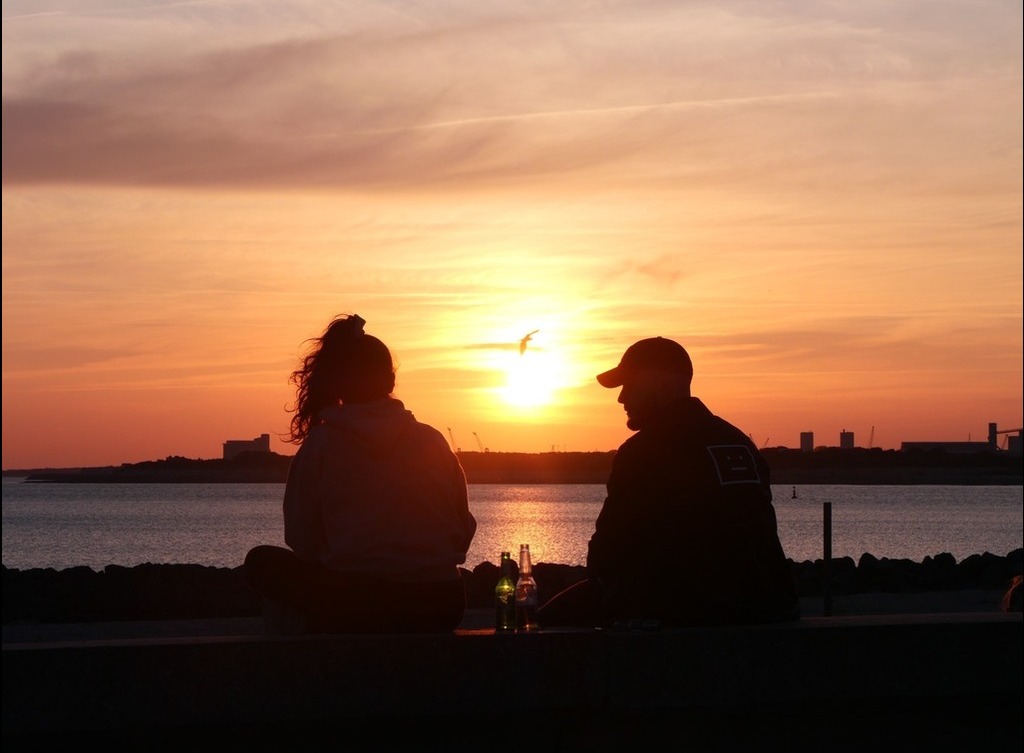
[
  {"x": 957, "y": 448},
  {"x": 235, "y": 447},
  {"x": 1013, "y": 443},
  {"x": 1013, "y": 439},
  {"x": 807, "y": 441},
  {"x": 846, "y": 440}
]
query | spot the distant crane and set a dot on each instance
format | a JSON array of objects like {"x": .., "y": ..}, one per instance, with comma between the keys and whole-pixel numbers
[
  {"x": 478, "y": 442},
  {"x": 871, "y": 438},
  {"x": 1007, "y": 432},
  {"x": 993, "y": 434},
  {"x": 451, "y": 438}
]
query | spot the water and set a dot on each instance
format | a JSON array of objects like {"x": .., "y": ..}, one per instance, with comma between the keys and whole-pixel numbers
[{"x": 66, "y": 525}]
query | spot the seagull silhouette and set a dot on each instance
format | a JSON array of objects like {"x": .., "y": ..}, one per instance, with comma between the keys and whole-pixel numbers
[{"x": 522, "y": 343}]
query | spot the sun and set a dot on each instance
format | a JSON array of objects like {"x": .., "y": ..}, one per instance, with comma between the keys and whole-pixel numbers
[
  {"x": 526, "y": 386},
  {"x": 531, "y": 379}
]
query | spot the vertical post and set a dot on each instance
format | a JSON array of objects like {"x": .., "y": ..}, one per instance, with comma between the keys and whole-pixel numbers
[{"x": 826, "y": 560}]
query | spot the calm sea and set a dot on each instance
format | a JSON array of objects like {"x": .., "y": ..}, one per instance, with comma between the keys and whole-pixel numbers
[{"x": 66, "y": 525}]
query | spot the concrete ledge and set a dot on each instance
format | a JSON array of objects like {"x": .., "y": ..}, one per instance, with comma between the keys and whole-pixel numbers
[{"x": 932, "y": 671}]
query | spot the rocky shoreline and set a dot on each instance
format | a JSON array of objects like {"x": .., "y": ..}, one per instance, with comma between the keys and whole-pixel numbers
[{"x": 188, "y": 591}]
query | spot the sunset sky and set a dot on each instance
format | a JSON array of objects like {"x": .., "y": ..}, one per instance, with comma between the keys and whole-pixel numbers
[{"x": 821, "y": 201}]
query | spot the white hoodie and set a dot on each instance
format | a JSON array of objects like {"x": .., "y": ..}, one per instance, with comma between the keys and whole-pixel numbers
[{"x": 372, "y": 490}]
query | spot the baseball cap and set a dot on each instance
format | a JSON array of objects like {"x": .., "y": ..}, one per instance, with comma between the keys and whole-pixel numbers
[{"x": 651, "y": 353}]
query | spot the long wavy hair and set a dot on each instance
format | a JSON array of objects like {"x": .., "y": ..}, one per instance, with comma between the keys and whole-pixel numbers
[{"x": 343, "y": 365}]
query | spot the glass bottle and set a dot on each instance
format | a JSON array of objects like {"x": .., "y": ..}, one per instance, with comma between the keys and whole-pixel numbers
[
  {"x": 526, "y": 592},
  {"x": 505, "y": 596}
]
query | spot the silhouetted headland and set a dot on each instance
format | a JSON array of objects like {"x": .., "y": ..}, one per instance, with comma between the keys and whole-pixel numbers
[{"x": 789, "y": 466}]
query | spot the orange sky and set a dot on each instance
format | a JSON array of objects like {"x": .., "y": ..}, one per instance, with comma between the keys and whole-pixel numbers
[{"x": 822, "y": 202}]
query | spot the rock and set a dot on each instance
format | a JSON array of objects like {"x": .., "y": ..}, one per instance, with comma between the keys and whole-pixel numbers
[{"x": 170, "y": 591}]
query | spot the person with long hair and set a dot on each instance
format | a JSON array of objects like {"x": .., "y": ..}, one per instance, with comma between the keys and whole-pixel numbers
[{"x": 376, "y": 513}]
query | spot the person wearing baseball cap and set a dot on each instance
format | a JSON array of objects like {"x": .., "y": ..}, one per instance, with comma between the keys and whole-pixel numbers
[{"x": 687, "y": 534}]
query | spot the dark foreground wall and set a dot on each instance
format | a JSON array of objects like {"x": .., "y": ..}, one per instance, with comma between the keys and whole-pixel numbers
[
  {"x": 168, "y": 591},
  {"x": 932, "y": 683}
]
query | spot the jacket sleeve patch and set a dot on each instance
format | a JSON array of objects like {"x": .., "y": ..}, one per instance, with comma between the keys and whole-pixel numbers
[{"x": 735, "y": 464}]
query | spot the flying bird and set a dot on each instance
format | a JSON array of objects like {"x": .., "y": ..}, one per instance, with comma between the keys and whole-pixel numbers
[{"x": 522, "y": 343}]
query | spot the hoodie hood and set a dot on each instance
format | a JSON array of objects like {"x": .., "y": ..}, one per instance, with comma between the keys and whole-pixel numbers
[{"x": 377, "y": 425}]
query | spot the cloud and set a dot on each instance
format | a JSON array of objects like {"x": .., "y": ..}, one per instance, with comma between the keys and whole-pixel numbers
[{"x": 413, "y": 97}]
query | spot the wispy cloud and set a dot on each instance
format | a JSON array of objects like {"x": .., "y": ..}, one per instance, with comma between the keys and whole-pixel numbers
[{"x": 471, "y": 98}]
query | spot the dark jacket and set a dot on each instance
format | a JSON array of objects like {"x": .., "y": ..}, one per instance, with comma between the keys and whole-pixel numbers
[{"x": 688, "y": 533}]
